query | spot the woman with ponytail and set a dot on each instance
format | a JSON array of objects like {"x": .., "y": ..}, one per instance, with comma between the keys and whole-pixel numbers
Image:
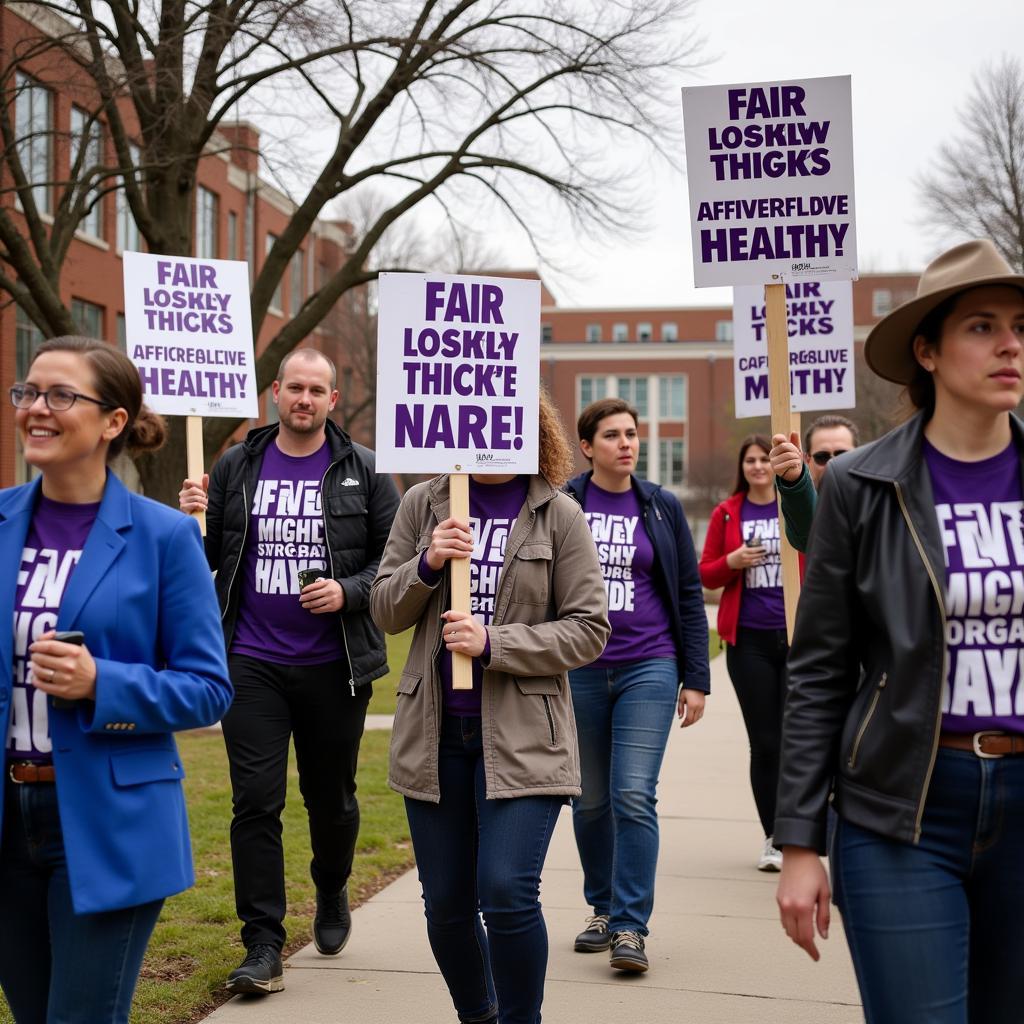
[{"x": 116, "y": 645}]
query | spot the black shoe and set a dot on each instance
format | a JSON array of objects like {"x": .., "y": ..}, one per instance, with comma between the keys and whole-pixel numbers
[
  {"x": 628, "y": 952},
  {"x": 259, "y": 973},
  {"x": 333, "y": 922},
  {"x": 594, "y": 938}
]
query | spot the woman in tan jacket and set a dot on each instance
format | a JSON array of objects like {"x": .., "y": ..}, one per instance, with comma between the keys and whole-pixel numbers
[{"x": 485, "y": 772}]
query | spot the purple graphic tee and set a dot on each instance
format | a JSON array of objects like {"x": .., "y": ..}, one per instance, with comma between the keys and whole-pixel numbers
[
  {"x": 52, "y": 549},
  {"x": 635, "y": 608},
  {"x": 286, "y": 534},
  {"x": 493, "y": 510},
  {"x": 979, "y": 509},
  {"x": 762, "y": 605}
]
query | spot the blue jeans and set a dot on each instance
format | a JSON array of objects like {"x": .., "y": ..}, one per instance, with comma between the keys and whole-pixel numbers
[
  {"x": 483, "y": 856},
  {"x": 623, "y": 719},
  {"x": 56, "y": 966},
  {"x": 935, "y": 930}
]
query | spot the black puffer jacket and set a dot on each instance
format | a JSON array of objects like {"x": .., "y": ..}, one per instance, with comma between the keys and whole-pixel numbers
[
  {"x": 868, "y": 659},
  {"x": 359, "y": 506}
]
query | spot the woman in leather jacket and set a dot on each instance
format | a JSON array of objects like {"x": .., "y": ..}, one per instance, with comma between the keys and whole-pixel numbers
[{"x": 906, "y": 674}]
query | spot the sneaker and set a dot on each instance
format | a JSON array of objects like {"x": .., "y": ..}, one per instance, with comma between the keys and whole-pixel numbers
[
  {"x": 332, "y": 925},
  {"x": 770, "y": 859},
  {"x": 628, "y": 952},
  {"x": 594, "y": 938},
  {"x": 259, "y": 973}
]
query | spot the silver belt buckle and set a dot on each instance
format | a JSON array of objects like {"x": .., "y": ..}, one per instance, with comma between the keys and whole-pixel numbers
[
  {"x": 976, "y": 744},
  {"x": 10, "y": 774}
]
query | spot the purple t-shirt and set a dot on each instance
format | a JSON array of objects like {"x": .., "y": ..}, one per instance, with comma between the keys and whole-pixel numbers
[
  {"x": 52, "y": 549},
  {"x": 286, "y": 534},
  {"x": 979, "y": 509},
  {"x": 762, "y": 605},
  {"x": 637, "y": 613},
  {"x": 493, "y": 510}
]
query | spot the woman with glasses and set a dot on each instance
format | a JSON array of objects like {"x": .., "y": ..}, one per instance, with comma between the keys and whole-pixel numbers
[
  {"x": 116, "y": 645},
  {"x": 741, "y": 555},
  {"x": 905, "y": 709}
]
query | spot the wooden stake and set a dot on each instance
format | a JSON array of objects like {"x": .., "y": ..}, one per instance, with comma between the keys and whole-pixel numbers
[
  {"x": 783, "y": 420},
  {"x": 458, "y": 508},
  {"x": 194, "y": 460}
]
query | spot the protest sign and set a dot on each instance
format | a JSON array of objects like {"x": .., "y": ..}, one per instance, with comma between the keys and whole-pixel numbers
[
  {"x": 770, "y": 173},
  {"x": 458, "y": 373},
  {"x": 458, "y": 378},
  {"x": 189, "y": 332},
  {"x": 820, "y": 327}
]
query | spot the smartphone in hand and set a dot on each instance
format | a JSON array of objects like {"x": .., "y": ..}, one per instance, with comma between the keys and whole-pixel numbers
[
  {"x": 68, "y": 636},
  {"x": 754, "y": 540}
]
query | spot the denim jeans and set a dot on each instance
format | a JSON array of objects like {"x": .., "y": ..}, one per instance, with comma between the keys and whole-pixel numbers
[
  {"x": 56, "y": 966},
  {"x": 935, "y": 930},
  {"x": 623, "y": 719},
  {"x": 483, "y": 856},
  {"x": 273, "y": 704}
]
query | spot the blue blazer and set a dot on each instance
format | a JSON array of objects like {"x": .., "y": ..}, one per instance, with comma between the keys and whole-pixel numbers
[{"x": 143, "y": 596}]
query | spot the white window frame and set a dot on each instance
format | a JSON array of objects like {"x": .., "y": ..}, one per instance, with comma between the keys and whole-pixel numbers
[
  {"x": 277, "y": 299},
  {"x": 645, "y": 332},
  {"x": 207, "y": 213},
  {"x": 670, "y": 331},
  {"x": 881, "y": 302},
  {"x": 665, "y": 412},
  {"x": 592, "y": 379},
  {"x": 620, "y": 332},
  {"x": 33, "y": 129},
  {"x": 593, "y": 333},
  {"x": 129, "y": 238},
  {"x": 665, "y": 457},
  {"x": 92, "y": 223},
  {"x": 633, "y": 380},
  {"x": 723, "y": 330}
]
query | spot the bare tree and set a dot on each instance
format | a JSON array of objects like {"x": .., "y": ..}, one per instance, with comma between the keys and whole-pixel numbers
[
  {"x": 512, "y": 103},
  {"x": 976, "y": 188}
]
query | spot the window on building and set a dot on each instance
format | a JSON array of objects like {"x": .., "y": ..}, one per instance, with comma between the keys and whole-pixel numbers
[
  {"x": 669, "y": 332},
  {"x": 128, "y": 236},
  {"x": 232, "y": 253},
  {"x": 33, "y": 128},
  {"x": 723, "y": 330},
  {"x": 87, "y": 317},
  {"x": 87, "y": 151},
  {"x": 122, "y": 332},
  {"x": 206, "y": 223},
  {"x": 881, "y": 302},
  {"x": 591, "y": 389},
  {"x": 269, "y": 407},
  {"x": 547, "y": 332},
  {"x": 593, "y": 332},
  {"x": 620, "y": 332},
  {"x": 672, "y": 462},
  {"x": 644, "y": 332},
  {"x": 297, "y": 285},
  {"x": 634, "y": 391},
  {"x": 322, "y": 275},
  {"x": 672, "y": 398},
  {"x": 641, "y": 459},
  {"x": 277, "y": 301},
  {"x": 26, "y": 337}
]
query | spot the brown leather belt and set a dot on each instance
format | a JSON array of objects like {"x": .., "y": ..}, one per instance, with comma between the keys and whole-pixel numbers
[
  {"x": 30, "y": 771},
  {"x": 984, "y": 744}
]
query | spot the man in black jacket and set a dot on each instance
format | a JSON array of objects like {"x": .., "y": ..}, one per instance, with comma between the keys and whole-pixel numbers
[{"x": 297, "y": 518}]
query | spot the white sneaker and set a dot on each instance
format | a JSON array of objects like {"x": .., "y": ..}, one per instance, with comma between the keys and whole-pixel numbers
[{"x": 770, "y": 859}]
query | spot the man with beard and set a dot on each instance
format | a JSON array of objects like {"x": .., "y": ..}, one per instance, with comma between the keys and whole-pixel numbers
[{"x": 297, "y": 518}]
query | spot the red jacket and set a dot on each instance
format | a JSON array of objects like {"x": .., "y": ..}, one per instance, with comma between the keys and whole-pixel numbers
[{"x": 724, "y": 535}]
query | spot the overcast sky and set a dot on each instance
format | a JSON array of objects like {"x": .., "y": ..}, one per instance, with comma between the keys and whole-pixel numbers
[{"x": 912, "y": 64}]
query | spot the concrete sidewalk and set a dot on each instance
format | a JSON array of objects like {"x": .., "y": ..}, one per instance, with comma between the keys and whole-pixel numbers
[{"x": 718, "y": 954}]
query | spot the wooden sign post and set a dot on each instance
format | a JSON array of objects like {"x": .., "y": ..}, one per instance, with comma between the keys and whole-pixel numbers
[
  {"x": 458, "y": 508},
  {"x": 783, "y": 422},
  {"x": 194, "y": 460}
]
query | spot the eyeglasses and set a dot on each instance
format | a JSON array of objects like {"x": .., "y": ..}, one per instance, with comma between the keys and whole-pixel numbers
[
  {"x": 23, "y": 396},
  {"x": 822, "y": 458}
]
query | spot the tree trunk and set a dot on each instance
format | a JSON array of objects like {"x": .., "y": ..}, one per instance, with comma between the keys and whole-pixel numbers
[{"x": 162, "y": 474}]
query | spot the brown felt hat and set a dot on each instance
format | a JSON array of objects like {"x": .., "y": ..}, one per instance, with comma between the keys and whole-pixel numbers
[{"x": 889, "y": 348}]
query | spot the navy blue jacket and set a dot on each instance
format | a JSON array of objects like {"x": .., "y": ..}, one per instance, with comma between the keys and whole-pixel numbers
[{"x": 675, "y": 575}]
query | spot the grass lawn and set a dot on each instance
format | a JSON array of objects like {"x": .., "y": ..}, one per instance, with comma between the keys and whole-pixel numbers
[{"x": 196, "y": 941}]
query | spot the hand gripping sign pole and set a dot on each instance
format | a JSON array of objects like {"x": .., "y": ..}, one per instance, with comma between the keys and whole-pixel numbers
[
  {"x": 464, "y": 401},
  {"x": 783, "y": 422}
]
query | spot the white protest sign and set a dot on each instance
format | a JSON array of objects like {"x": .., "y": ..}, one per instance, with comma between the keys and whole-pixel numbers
[
  {"x": 770, "y": 173},
  {"x": 458, "y": 374},
  {"x": 189, "y": 331},
  {"x": 820, "y": 321}
]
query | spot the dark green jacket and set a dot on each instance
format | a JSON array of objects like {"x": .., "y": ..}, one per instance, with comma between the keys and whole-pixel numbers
[{"x": 798, "y": 503}]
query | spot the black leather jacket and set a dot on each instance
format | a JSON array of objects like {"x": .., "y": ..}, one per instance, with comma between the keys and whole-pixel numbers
[
  {"x": 359, "y": 506},
  {"x": 868, "y": 659}
]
